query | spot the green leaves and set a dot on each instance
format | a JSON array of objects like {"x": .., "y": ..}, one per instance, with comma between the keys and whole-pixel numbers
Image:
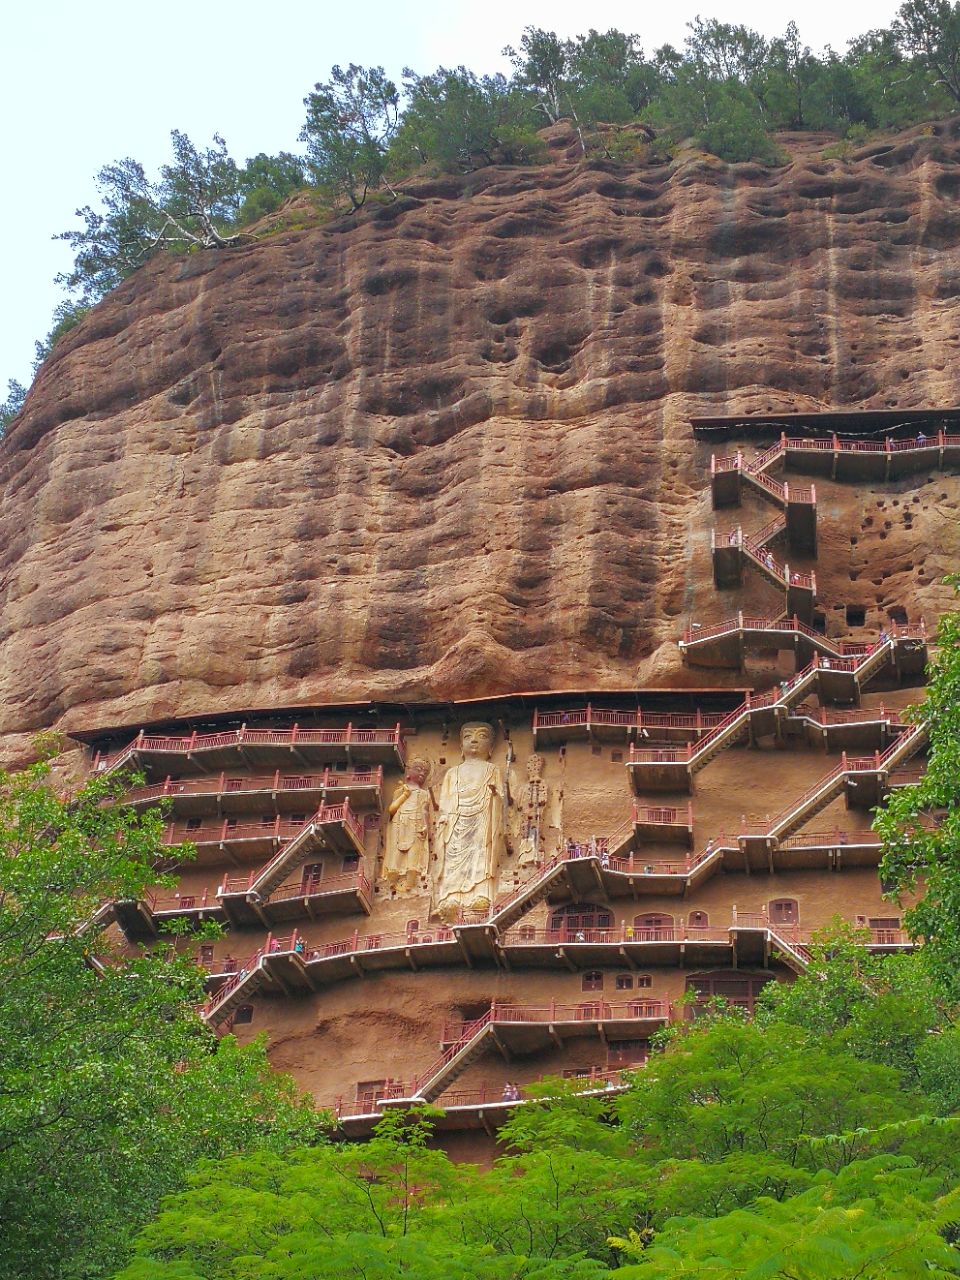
[
  {"x": 110, "y": 1087},
  {"x": 351, "y": 119},
  {"x": 740, "y": 1151},
  {"x": 920, "y": 826}
]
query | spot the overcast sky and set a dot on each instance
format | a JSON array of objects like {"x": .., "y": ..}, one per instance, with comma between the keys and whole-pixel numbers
[{"x": 84, "y": 84}]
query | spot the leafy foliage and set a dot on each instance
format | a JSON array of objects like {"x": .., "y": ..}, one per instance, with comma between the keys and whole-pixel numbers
[
  {"x": 741, "y": 1150},
  {"x": 110, "y": 1088},
  {"x": 920, "y": 826},
  {"x": 457, "y": 121},
  {"x": 351, "y": 119},
  {"x": 192, "y": 205},
  {"x": 10, "y": 408}
]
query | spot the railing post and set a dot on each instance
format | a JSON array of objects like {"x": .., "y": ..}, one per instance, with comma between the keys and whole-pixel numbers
[{"x": 356, "y": 940}]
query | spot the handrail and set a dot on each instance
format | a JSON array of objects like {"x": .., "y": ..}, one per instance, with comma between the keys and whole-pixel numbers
[
  {"x": 327, "y": 813},
  {"x": 587, "y": 1011},
  {"x": 225, "y": 784},
  {"x": 896, "y": 631},
  {"x": 770, "y": 454},
  {"x": 183, "y": 744}
]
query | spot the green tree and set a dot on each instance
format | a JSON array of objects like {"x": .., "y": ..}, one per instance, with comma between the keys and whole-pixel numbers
[
  {"x": 890, "y": 89},
  {"x": 920, "y": 825},
  {"x": 11, "y": 407},
  {"x": 66, "y": 316},
  {"x": 459, "y": 122},
  {"x": 110, "y": 1086},
  {"x": 351, "y": 119},
  {"x": 266, "y": 181},
  {"x": 597, "y": 77},
  {"x": 929, "y": 31},
  {"x": 541, "y": 66},
  {"x": 192, "y": 205},
  {"x": 873, "y": 1220},
  {"x": 791, "y": 72}
]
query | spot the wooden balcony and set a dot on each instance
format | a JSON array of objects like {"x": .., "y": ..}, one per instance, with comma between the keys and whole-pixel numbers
[
  {"x": 589, "y": 722},
  {"x": 308, "y": 896},
  {"x": 874, "y": 460},
  {"x": 157, "y": 755},
  {"x": 278, "y": 792}
]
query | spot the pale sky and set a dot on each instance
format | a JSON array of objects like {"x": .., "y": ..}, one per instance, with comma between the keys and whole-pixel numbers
[{"x": 83, "y": 85}]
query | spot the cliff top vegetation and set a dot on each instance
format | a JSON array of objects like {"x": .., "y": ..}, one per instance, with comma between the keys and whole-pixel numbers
[{"x": 729, "y": 91}]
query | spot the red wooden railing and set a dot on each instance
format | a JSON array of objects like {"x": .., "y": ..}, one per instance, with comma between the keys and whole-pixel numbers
[
  {"x": 499, "y": 1013},
  {"x": 742, "y": 622},
  {"x": 835, "y": 444},
  {"x": 225, "y": 784},
  {"x": 243, "y": 737},
  {"x": 342, "y": 883},
  {"x": 486, "y": 1094}
]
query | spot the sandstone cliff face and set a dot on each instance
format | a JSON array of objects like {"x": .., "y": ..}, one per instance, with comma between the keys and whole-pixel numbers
[{"x": 444, "y": 450}]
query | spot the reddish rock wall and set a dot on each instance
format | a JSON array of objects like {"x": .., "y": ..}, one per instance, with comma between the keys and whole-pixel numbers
[{"x": 445, "y": 451}]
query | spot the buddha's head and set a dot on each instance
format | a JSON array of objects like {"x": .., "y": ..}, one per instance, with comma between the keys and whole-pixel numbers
[{"x": 476, "y": 740}]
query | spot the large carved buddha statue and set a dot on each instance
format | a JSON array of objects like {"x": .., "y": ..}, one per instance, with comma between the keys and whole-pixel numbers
[{"x": 469, "y": 829}]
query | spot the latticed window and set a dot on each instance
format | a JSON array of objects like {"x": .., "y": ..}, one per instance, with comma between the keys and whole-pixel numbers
[
  {"x": 740, "y": 989},
  {"x": 312, "y": 875},
  {"x": 698, "y": 920},
  {"x": 625, "y": 1053},
  {"x": 624, "y": 982},
  {"x": 576, "y": 916},
  {"x": 644, "y": 980},
  {"x": 592, "y": 981},
  {"x": 653, "y": 926},
  {"x": 886, "y": 929},
  {"x": 244, "y": 1013},
  {"x": 784, "y": 911}
]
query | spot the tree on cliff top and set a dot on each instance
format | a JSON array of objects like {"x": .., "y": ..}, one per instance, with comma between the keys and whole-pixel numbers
[
  {"x": 459, "y": 122},
  {"x": 192, "y": 205},
  {"x": 198, "y": 202},
  {"x": 929, "y": 30},
  {"x": 110, "y": 1086},
  {"x": 351, "y": 119}
]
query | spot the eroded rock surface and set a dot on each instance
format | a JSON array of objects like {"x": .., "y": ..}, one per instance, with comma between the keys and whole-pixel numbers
[{"x": 444, "y": 450}]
